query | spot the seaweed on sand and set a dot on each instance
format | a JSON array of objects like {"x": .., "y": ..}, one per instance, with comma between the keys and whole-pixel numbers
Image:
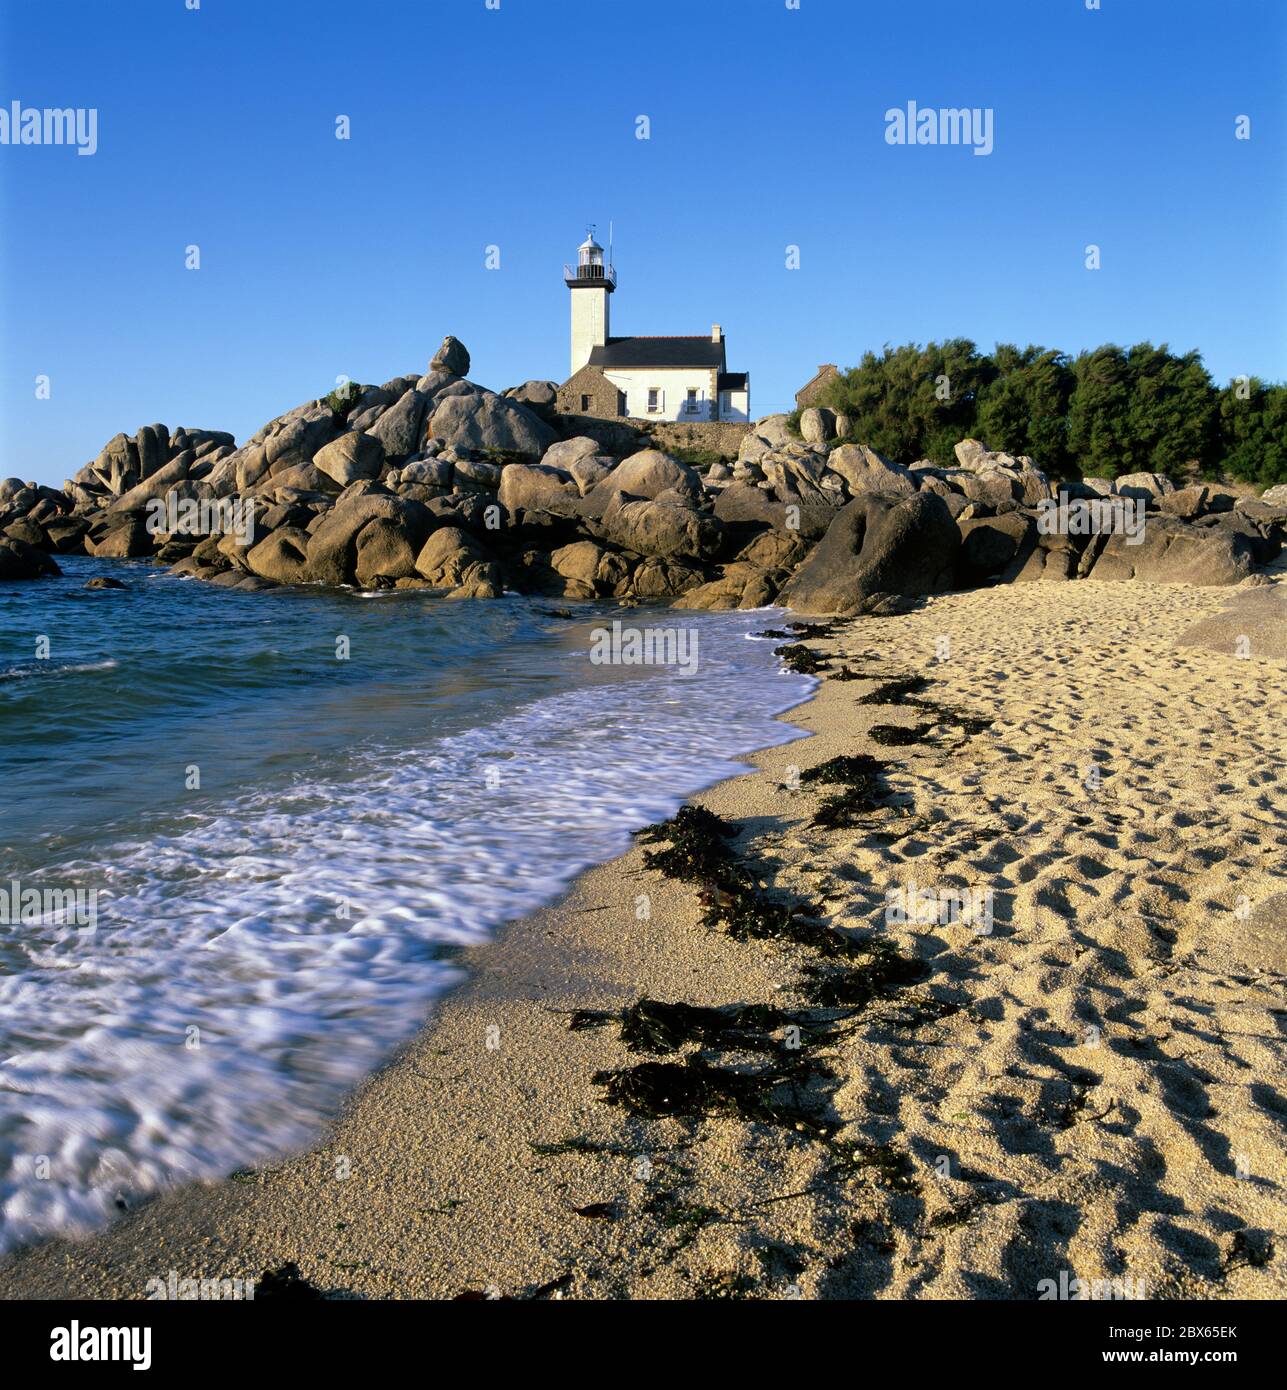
[
  {"x": 649, "y": 1025},
  {"x": 733, "y": 899},
  {"x": 895, "y": 691},
  {"x": 890, "y": 1168},
  {"x": 896, "y": 736},
  {"x": 694, "y": 1088},
  {"x": 801, "y": 659},
  {"x": 864, "y": 789},
  {"x": 969, "y": 724},
  {"x": 885, "y": 970},
  {"x": 695, "y": 845}
]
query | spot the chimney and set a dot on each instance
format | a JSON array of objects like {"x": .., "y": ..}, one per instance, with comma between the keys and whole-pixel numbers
[{"x": 717, "y": 333}]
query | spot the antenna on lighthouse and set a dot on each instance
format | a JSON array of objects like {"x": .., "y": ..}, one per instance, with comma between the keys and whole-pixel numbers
[{"x": 610, "y": 260}]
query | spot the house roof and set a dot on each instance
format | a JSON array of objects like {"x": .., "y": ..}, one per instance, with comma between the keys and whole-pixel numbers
[
  {"x": 698, "y": 351},
  {"x": 731, "y": 381}
]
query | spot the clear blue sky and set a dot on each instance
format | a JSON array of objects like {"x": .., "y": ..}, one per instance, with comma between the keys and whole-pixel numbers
[{"x": 516, "y": 127}]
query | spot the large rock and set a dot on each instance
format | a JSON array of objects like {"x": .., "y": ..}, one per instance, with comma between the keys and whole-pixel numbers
[
  {"x": 763, "y": 437},
  {"x": 565, "y": 452},
  {"x": 739, "y": 585},
  {"x": 540, "y": 397},
  {"x": 21, "y": 561},
  {"x": 648, "y": 474},
  {"x": 990, "y": 545},
  {"x": 153, "y": 449},
  {"x": 400, "y": 428},
  {"x": 163, "y": 480},
  {"x": 817, "y": 425},
  {"x": 299, "y": 438},
  {"x": 453, "y": 559},
  {"x": 660, "y": 528},
  {"x": 877, "y": 544},
  {"x": 351, "y": 457},
  {"x": 125, "y": 537},
  {"x": 1148, "y": 487},
  {"x": 864, "y": 470},
  {"x": 746, "y": 504},
  {"x": 452, "y": 357},
  {"x": 536, "y": 487},
  {"x": 1189, "y": 503},
  {"x": 1252, "y": 627},
  {"x": 1170, "y": 552},
  {"x": 489, "y": 421},
  {"x": 333, "y": 546}
]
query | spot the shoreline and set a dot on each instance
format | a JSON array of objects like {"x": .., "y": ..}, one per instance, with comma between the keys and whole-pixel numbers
[{"x": 428, "y": 1185}]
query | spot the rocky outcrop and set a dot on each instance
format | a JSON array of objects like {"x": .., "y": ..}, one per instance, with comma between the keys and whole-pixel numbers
[
  {"x": 490, "y": 422},
  {"x": 433, "y": 481},
  {"x": 878, "y": 545}
]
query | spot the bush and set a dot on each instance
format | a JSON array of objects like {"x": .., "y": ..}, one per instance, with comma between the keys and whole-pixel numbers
[{"x": 1106, "y": 412}]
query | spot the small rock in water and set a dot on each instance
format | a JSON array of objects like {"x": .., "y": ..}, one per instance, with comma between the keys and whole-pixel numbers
[{"x": 103, "y": 581}]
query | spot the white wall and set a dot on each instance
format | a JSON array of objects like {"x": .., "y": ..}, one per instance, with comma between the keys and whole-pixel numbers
[
  {"x": 590, "y": 317},
  {"x": 738, "y": 407},
  {"x": 674, "y": 382}
]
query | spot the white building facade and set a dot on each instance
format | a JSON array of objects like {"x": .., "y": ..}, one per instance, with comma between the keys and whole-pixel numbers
[{"x": 646, "y": 378}]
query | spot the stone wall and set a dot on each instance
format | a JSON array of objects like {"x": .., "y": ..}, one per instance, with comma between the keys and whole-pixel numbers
[{"x": 722, "y": 437}]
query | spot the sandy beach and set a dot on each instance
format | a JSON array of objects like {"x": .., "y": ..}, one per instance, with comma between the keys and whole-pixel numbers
[{"x": 1085, "y": 1081}]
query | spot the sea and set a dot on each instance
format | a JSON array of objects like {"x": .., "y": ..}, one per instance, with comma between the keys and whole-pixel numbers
[{"x": 243, "y": 837}]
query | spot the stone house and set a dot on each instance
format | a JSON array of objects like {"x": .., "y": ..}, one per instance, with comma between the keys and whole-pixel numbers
[{"x": 810, "y": 393}]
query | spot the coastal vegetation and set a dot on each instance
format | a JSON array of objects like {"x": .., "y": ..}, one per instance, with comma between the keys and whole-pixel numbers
[{"x": 1104, "y": 413}]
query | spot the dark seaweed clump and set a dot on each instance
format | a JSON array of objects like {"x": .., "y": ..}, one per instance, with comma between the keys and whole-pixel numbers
[
  {"x": 969, "y": 724},
  {"x": 733, "y": 899},
  {"x": 885, "y": 971},
  {"x": 894, "y": 692},
  {"x": 801, "y": 659},
  {"x": 896, "y": 736},
  {"x": 861, "y": 776},
  {"x": 695, "y": 848},
  {"x": 649, "y": 1025},
  {"x": 694, "y": 1088}
]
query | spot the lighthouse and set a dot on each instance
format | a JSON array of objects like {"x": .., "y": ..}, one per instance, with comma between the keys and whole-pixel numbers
[
  {"x": 591, "y": 283},
  {"x": 644, "y": 378}
]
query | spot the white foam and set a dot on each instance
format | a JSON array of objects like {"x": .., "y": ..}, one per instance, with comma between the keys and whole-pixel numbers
[{"x": 229, "y": 926}]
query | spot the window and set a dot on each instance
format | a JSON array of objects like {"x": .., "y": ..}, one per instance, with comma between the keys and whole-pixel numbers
[
  {"x": 585, "y": 405},
  {"x": 690, "y": 405},
  {"x": 654, "y": 399}
]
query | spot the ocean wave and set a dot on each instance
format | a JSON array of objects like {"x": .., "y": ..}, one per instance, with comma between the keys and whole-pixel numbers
[{"x": 250, "y": 965}]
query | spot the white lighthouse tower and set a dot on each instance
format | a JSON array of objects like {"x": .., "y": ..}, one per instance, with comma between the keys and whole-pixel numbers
[{"x": 591, "y": 283}]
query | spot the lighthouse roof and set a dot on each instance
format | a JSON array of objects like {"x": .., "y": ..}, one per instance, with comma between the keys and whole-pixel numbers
[
  {"x": 699, "y": 351},
  {"x": 589, "y": 244}
]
